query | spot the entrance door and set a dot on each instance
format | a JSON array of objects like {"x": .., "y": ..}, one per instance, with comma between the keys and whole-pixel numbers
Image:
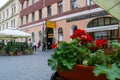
[{"x": 50, "y": 37}]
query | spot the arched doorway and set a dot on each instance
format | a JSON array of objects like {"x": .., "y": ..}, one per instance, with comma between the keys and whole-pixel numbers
[
  {"x": 103, "y": 28},
  {"x": 50, "y": 37}
]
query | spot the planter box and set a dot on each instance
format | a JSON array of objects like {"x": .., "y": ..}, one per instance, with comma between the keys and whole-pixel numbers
[{"x": 80, "y": 72}]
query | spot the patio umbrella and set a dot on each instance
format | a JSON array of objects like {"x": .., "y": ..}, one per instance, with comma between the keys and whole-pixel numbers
[
  {"x": 13, "y": 33},
  {"x": 111, "y": 6}
]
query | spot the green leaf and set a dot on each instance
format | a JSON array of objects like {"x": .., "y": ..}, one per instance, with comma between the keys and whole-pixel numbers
[
  {"x": 112, "y": 72},
  {"x": 53, "y": 63}
]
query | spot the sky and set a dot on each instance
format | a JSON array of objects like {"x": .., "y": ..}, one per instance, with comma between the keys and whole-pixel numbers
[{"x": 2, "y": 2}]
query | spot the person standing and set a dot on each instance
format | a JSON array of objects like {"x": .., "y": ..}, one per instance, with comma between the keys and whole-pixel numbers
[
  {"x": 39, "y": 45},
  {"x": 34, "y": 45},
  {"x": 43, "y": 46}
]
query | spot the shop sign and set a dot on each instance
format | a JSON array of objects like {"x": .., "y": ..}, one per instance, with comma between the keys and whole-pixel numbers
[
  {"x": 50, "y": 24},
  {"x": 50, "y": 35},
  {"x": 97, "y": 14}
]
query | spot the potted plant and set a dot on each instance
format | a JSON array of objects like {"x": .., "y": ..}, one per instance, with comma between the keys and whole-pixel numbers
[
  {"x": 79, "y": 60},
  {"x": 2, "y": 51},
  {"x": 11, "y": 51}
]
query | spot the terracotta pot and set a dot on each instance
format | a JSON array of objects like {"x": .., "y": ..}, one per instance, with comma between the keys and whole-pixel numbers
[
  {"x": 11, "y": 53},
  {"x": 19, "y": 53},
  {"x": 80, "y": 72}
]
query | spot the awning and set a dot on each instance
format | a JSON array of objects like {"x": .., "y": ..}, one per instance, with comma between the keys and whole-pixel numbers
[
  {"x": 111, "y": 6},
  {"x": 13, "y": 33},
  {"x": 102, "y": 28}
]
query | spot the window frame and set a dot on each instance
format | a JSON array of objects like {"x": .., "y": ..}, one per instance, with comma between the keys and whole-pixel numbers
[{"x": 60, "y": 7}]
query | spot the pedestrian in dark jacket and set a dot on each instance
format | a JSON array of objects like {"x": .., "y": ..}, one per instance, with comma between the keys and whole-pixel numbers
[{"x": 43, "y": 46}]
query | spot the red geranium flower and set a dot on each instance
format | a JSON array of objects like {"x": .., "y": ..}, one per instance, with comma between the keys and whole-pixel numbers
[{"x": 78, "y": 33}]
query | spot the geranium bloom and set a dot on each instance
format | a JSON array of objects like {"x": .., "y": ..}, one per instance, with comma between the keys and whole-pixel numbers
[
  {"x": 98, "y": 42},
  {"x": 78, "y": 33},
  {"x": 89, "y": 38},
  {"x": 101, "y": 43}
]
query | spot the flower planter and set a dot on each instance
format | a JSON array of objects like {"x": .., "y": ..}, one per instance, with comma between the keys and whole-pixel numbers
[{"x": 80, "y": 72}]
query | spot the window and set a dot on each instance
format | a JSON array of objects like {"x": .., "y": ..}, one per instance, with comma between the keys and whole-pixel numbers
[
  {"x": 40, "y": 35},
  {"x": 0, "y": 17},
  {"x": 22, "y": 21},
  {"x": 96, "y": 22},
  {"x": 13, "y": 22},
  {"x": 26, "y": 18},
  {"x": 32, "y": 36},
  {"x": 40, "y": 14},
  {"x": 33, "y": 16},
  {"x": 3, "y": 15},
  {"x": 102, "y": 21},
  {"x": 13, "y": 9},
  {"x": 7, "y": 12},
  {"x": 110, "y": 33},
  {"x": 22, "y": 6},
  {"x": 89, "y": 2},
  {"x": 73, "y": 4},
  {"x": 60, "y": 34},
  {"x": 107, "y": 20},
  {"x": 33, "y": 1},
  {"x": 60, "y": 7},
  {"x": 114, "y": 21},
  {"x": 7, "y": 25},
  {"x": 73, "y": 28},
  {"x": 27, "y": 3},
  {"x": 3, "y": 26},
  {"x": 0, "y": 28},
  {"x": 49, "y": 10}
]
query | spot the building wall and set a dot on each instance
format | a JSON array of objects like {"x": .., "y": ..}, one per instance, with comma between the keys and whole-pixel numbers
[
  {"x": 82, "y": 8},
  {"x": 54, "y": 7},
  {"x": 13, "y": 18}
]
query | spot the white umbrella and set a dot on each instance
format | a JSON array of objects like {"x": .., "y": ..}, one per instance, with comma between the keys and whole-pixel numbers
[
  {"x": 13, "y": 33},
  {"x": 111, "y": 6}
]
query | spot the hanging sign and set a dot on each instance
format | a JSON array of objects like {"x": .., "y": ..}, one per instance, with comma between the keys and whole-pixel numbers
[{"x": 50, "y": 24}]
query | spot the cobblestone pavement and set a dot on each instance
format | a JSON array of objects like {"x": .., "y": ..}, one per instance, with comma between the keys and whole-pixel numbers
[{"x": 26, "y": 67}]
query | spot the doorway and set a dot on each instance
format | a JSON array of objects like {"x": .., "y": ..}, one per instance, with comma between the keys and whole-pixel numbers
[{"x": 50, "y": 37}]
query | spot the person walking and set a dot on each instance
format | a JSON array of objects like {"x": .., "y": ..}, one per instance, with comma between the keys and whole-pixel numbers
[
  {"x": 34, "y": 46},
  {"x": 39, "y": 45},
  {"x": 43, "y": 46}
]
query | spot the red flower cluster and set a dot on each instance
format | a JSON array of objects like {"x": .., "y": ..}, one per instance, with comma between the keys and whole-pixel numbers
[
  {"x": 53, "y": 46},
  {"x": 102, "y": 43},
  {"x": 78, "y": 33}
]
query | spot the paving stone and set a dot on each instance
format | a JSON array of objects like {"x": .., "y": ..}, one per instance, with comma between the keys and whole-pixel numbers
[{"x": 26, "y": 67}]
